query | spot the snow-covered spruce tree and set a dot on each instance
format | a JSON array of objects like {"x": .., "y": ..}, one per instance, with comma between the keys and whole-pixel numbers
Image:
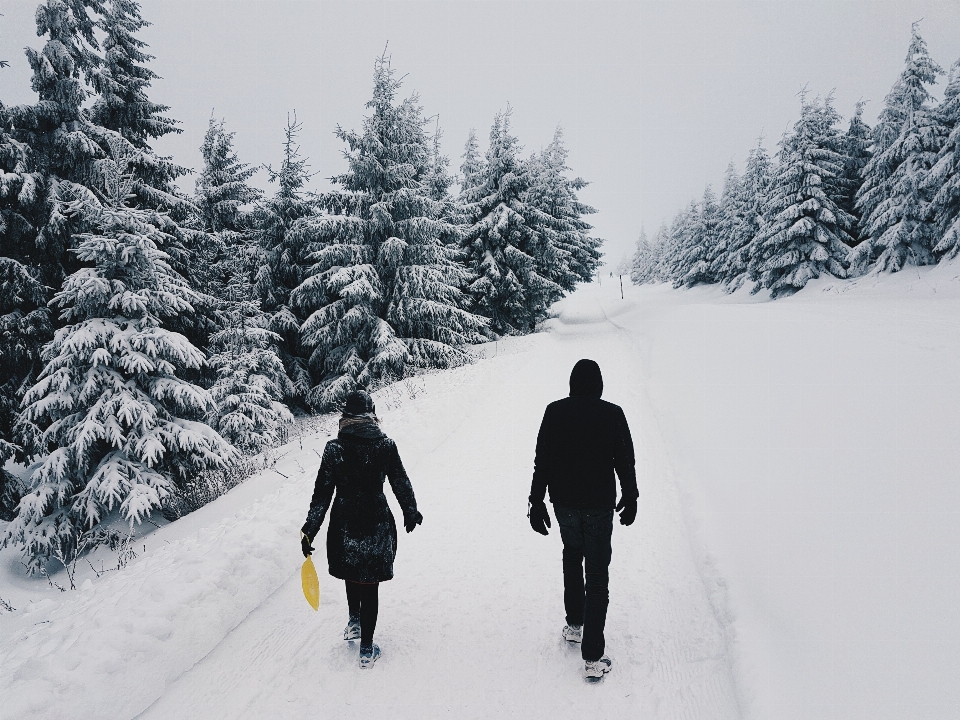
[
  {"x": 251, "y": 380},
  {"x": 643, "y": 263},
  {"x": 222, "y": 191},
  {"x": 122, "y": 104},
  {"x": 118, "y": 426},
  {"x": 673, "y": 243},
  {"x": 753, "y": 193},
  {"x": 662, "y": 244},
  {"x": 24, "y": 317},
  {"x": 438, "y": 180},
  {"x": 730, "y": 212},
  {"x": 65, "y": 138},
  {"x": 855, "y": 148},
  {"x": 500, "y": 246},
  {"x": 24, "y": 327},
  {"x": 46, "y": 155},
  {"x": 894, "y": 198},
  {"x": 566, "y": 252},
  {"x": 806, "y": 233},
  {"x": 62, "y": 142},
  {"x": 473, "y": 169},
  {"x": 286, "y": 249},
  {"x": 697, "y": 243},
  {"x": 943, "y": 181},
  {"x": 384, "y": 291},
  {"x": 223, "y": 188}
]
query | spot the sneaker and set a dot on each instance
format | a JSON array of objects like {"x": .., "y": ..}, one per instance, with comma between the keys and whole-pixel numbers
[
  {"x": 352, "y": 631},
  {"x": 573, "y": 633},
  {"x": 368, "y": 656},
  {"x": 594, "y": 670}
]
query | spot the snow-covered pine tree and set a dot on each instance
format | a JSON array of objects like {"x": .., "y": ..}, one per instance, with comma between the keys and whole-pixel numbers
[
  {"x": 566, "y": 252},
  {"x": 855, "y": 148},
  {"x": 943, "y": 180},
  {"x": 662, "y": 244},
  {"x": 699, "y": 239},
  {"x": 806, "y": 233},
  {"x": 286, "y": 249},
  {"x": 499, "y": 245},
  {"x": 643, "y": 263},
  {"x": 223, "y": 188},
  {"x": 473, "y": 169},
  {"x": 438, "y": 179},
  {"x": 894, "y": 198},
  {"x": 24, "y": 327},
  {"x": 753, "y": 194},
  {"x": 46, "y": 155},
  {"x": 24, "y": 317},
  {"x": 384, "y": 292},
  {"x": 251, "y": 380},
  {"x": 122, "y": 105},
  {"x": 222, "y": 191},
  {"x": 62, "y": 143},
  {"x": 676, "y": 240},
  {"x": 730, "y": 211},
  {"x": 119, "y": 426}
]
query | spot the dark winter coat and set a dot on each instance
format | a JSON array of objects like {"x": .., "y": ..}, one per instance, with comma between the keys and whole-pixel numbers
[
  {"x": 582, "y": 441},
  {"x": 362, "y": 534}
]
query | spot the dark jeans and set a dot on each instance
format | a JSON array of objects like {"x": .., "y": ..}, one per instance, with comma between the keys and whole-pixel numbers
[
  {"x": 586, "y": 537},
  {"x": 363, "y": 604}
]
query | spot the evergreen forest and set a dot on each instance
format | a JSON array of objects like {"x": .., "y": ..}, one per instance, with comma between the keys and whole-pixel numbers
[
  {"x": 152, "y": 337},
  {"x": 835, "y": 200}
]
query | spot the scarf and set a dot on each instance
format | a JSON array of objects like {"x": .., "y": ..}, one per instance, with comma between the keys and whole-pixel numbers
[{"x": 348, "y": 420}]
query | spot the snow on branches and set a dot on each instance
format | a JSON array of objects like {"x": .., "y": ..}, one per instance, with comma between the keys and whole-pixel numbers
[{"x": 116, "y": 423}]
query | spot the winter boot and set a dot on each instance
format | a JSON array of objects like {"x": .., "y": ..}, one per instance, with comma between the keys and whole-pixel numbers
[
  {"x": 368, "y": 656},
  {"x": 352, "y": 631},
  {"x": 594, "y": 670},
  {"x": 573, "y": 633}
]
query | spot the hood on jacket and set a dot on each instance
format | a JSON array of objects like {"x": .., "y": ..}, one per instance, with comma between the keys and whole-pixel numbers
[{"x": 586, "y": 379}]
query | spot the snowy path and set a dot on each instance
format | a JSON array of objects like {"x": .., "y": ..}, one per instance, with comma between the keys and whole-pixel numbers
[
  {"x": 211, "y": 622},
  {"x": 470, "y": 626}
]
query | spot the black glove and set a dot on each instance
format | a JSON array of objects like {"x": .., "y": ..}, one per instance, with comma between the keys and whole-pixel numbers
[
  {"x": 305, "y": 544},
  {"x": 409, "y": 523},
  {"x": 539, "y": 517},
  {"x": 629, "y": 508}
]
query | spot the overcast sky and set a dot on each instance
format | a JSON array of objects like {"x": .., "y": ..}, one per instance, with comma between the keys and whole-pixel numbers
[{"x": 655, "y": 98}]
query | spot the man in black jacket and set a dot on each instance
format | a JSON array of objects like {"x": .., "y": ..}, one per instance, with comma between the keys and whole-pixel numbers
[{"x": 582, "y": 441}]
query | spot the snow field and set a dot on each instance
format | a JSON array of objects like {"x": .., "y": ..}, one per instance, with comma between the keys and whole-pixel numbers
[
  {"x": 794, "y": 556},
  {"x": 815, "y": 440}
]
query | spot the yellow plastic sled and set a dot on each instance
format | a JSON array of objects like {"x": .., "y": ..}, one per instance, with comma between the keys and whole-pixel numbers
[{"x": 311, "y": 583}]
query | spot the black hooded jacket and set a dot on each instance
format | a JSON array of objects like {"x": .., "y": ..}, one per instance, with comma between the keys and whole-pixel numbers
[
  {"x": 362, "y": 534},
  {"x": 582, "y": 441}
]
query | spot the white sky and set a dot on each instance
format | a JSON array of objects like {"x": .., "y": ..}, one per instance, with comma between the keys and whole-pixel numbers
[{"x": 655, "y": 97}]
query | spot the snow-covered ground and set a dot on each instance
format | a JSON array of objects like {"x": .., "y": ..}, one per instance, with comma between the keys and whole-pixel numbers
[
  {"x": 817, "y": 439},
  {"x": 795, "y": 555}
]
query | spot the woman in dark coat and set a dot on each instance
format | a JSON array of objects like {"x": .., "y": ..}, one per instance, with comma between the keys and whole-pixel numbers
[{"x": 362, "y": 535}]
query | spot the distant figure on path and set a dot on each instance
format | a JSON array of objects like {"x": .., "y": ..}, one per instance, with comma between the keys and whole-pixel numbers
[
  {"x": 582, "y": 441},
  {"x": 362, "y": 535}
]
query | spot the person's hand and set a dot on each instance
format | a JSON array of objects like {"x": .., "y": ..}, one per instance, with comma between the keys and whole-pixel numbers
[
  {"x": 305, "y": 545},
  {"x": 629, "y": 511},
  {"x": 411, "y": 522},
  {"x": 539, "y": 517}
]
